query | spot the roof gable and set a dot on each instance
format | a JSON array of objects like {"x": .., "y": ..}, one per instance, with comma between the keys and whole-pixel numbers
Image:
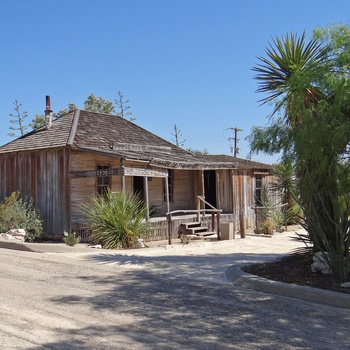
[
  {"x": 113, "y": 133},
  {"x": 43, "y": 138}
]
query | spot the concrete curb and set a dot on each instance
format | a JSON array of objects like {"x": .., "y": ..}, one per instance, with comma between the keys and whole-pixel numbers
[
  {"x": 235, "y": 275},
  {"x": 44, "y": 247}
]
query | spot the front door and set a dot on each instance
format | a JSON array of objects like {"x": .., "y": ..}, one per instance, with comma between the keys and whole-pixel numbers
[
  {"x": 210, "y": 187},
  {"x": 138, "y": 186}
]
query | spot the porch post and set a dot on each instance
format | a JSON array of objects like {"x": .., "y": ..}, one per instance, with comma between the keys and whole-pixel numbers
[
  {"x": 202, "y": 194},
  {"x": 123, "y": 176},
  {"x": 168, "y": 210},
  {"x": 145, "y": 185},
  {"x": 167, "y": 194}
]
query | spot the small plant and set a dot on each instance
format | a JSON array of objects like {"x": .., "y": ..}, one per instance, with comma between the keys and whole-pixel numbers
[
  {"x": 267, "y": 227},
  {"x": 17, "y": 212},
  {"x": 184, "y": 239},
  {"x": 70, "y": 238}
]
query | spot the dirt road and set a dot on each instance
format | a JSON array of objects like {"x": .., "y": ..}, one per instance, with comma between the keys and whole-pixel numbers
[{"x": 56, "y": 301}]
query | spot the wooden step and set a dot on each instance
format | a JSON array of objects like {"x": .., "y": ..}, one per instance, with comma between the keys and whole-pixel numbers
[
  {"x": 188, "y": 225},
  {"x": 198, "y": 229},
  {"x": 207, "y": 233}
]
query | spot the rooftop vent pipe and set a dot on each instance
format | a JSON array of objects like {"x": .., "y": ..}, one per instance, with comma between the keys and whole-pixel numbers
[{"x": 48, "y": 111}]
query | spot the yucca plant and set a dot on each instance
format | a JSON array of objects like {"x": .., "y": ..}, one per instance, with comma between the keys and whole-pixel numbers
[{"x": 117, "y": 220}]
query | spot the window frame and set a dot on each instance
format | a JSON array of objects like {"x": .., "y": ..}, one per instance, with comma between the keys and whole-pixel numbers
[
  {"x": 258, "y": 192},
  {"x": 103, "y": 183}
]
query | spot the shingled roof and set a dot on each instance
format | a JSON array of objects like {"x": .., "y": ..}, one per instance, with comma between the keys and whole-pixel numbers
[{"x": 114, "y": 136}]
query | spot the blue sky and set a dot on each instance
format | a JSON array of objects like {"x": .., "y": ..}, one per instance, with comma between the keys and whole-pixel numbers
[{"x": 183, "y": 62}]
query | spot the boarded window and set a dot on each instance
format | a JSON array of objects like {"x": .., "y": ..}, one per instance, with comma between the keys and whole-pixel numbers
[
  {"x": 170, "y": 186},
  {"x": 103, "y": 181}
]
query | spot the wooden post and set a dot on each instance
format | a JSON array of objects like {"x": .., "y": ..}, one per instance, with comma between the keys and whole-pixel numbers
[
  {"x": 167, "y": 194},
  {"x": 218, "y": 225},
  {"x": 169, "y": 227},
  {"x": 241, "y": 225},
  {"x": 168, "y": 209},
  {"x": 123, "y": 176},
  {"x": 145, "y": 185},
  {"x": 219, "y": 204},
  {"x": 198, "y": 208}
]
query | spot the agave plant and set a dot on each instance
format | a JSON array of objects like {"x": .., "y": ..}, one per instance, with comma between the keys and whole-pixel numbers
[{"x": 117, "y": 220}]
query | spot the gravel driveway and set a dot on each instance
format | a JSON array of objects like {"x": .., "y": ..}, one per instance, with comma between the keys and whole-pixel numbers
[{"x": 175, "y": 300}]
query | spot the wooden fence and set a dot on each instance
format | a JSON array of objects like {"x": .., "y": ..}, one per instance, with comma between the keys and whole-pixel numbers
[{"x": 159, "y": 230}]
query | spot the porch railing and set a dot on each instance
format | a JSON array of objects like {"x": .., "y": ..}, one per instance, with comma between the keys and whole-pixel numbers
[{"x": 201, "y": 214}]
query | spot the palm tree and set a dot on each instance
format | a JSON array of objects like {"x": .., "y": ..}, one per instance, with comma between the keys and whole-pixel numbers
[
  {"x": 286, "y": 73},
  {"x": 294, "y": 77}
]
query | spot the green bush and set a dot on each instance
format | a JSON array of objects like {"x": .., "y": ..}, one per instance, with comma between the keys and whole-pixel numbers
[
  {"x": 117, "y": 220},
  {"x": 17, "y": 212},
  {"x": 70, "y": 238}
]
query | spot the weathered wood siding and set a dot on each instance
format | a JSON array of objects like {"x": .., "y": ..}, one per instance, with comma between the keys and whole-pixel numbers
[
  {"x": 43, "y": 176},
  {"x": 224, "y": 190},
  {"x": 83, "y": 188},
  {"x": 243, "y": 199}
]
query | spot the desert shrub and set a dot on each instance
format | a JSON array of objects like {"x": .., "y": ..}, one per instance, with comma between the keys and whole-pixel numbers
[
  {"x": 267, "y": 227},
  {"x": 70, "y": 238},
  {"x": 117, "y": 220},
  {"x": 17, "y": 212}
]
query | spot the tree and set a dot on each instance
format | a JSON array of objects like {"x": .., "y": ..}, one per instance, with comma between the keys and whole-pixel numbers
[
  {"x": 92, "y": 103},
  {"x": 71, "y": 107},
  {"x": 37, "y": 122},
  {"x": 18, "y": 121},
  {"x": 198, "y": 152},
  {"x": 177, "y": 134},
  {"x": 123, "y": 108},
  {"x": 98, "y": 104},
  {"x": 308, "y": 84},
  {"x": 39, "y": 119}
]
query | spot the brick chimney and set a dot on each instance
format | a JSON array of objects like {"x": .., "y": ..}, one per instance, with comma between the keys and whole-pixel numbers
[{"x": 48, "y": 111}]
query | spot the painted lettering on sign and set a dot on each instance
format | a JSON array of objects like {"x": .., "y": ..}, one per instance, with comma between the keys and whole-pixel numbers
[
  {"x": 80, "y": 174},
  {"x": 118, "y": 171},
  {"x": 95, "y": 173},
  {"x": 107, "y": 172},
  {"x": 145, "y": 172},
  {"x": 141, "y": 148}
]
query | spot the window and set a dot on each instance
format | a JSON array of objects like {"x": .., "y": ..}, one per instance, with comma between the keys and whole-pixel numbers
[
  {"x": 258, "y": 190},
  {"x": 103, "y": 180},
  {"x": 170, "y": 186}
]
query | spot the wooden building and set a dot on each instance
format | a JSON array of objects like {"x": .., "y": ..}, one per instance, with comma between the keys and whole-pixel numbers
[{"x": 84, "y": 154}]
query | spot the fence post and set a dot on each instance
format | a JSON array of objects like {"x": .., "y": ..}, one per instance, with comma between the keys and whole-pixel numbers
[
  {"x": 169, "y": 227},
  {"x": 241, "y": 225},
  {"x": 198, "y": 208},
  {"x": 218, "y": 225}
]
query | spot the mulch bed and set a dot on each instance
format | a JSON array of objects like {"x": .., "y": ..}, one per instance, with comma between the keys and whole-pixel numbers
[{"x": 293, "y": 269}]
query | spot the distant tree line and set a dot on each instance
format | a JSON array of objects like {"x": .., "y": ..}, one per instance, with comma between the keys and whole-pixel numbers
[{"x": 120, "y": 108}]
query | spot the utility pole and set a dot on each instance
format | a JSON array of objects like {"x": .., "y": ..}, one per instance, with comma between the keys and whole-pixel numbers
[{"x": 235, "y": 150}]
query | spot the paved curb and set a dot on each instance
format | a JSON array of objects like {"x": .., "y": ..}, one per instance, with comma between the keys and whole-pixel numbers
[
  {"x": 44, "y": 247},
  {"x": 235, "y": 275}
]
